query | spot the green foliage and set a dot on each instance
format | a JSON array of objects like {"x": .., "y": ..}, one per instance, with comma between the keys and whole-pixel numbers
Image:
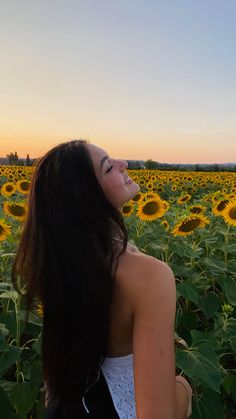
[{"x": 204, "y": 267}]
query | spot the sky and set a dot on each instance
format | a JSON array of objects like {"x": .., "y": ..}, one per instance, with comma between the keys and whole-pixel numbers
[{"x": 143, "y": 79}]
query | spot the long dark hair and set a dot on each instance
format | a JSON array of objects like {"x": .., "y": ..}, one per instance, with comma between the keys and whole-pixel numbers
[{"x": 67, "y": 261}]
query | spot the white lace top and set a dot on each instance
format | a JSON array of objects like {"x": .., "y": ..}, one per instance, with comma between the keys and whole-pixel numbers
[{"x": 118, "y": 373}]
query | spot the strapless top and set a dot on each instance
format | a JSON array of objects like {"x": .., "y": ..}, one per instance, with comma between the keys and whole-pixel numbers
[{"x": 118, "y": 373}]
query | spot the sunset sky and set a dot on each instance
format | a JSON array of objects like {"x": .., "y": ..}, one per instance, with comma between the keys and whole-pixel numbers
[{"x": 141, "y": 78}]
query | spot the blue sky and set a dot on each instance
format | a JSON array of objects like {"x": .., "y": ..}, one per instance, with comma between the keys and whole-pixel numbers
[{"x": 142, "y": 79}]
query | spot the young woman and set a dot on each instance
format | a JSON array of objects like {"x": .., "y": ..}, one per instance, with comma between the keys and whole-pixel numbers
[{"x": 109, "y": 309}]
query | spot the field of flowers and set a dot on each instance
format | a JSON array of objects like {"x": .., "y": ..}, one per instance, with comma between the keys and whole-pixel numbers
[{"x": 187, "y": 219}]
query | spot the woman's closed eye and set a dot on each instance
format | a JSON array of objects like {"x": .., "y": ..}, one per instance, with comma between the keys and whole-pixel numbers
[{"x": 108, "y": 170}]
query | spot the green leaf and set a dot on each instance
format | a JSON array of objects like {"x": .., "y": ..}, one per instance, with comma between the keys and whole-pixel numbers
[
  {"x": 40, "y": 408},
  {"x": 9, "y": 319},
  {"x": 7, "y": 359},
  {"x": 36, "y": 376},
  {"x": 230, "y": 385},
  {"x": 12, "y": 294},
  {"x": 34, "y": 319},
  {"x": 188, "y": 291},
  {"x": 199, "y": 337},
  {"x": 7, "y": 386},
  {"x": 189, "y": 320},
  {"x": 229, "y": 248},
  {"x": 3, "y": 330},
  {"x": 37, "y": 345},
  {"x": 225, "y": 328},
  {"x": 201, "y": 364},
  {"x": 233, "y": 344},
  {"x": 214, "y": 265},
  {"x": 23, "y": 397},
  {"x": 185, "y": 250},
  {"x": 228, "y": 286},
  {"x": 209, "y": 406},
  {"x": 209, "y": 304},
  {"x": 4, "y": 286},
  {"x": 5, "y": 406}
]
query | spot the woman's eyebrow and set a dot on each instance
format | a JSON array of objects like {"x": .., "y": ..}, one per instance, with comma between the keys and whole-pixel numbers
[{"x": 102, "y": 161}]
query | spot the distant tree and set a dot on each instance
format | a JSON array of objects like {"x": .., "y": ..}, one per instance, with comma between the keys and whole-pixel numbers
[
  {"x": 150, "y": 164},
  {"x": 12, "y": 158},
  {"x": 27, "y": 162}
]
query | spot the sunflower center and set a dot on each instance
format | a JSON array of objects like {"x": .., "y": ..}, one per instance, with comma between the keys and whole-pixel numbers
[
  {"x": 222, "y": 205},
  {"x": 126, "y": 209},
  {"x": 232, "y": 213},
  {"x": 136, "y": 197},
  {"x": 9, "y": 188},
  {"x": 151, "y": 208},
  {"x": 25, "y": 186},
  {"x": 17, "y": 210},
  {"x": 189, "y": 225},
  {"x": 195, "y": 210}
]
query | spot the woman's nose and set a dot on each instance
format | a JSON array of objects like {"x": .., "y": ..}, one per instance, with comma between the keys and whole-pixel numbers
[{"x": 123, "y": 164}]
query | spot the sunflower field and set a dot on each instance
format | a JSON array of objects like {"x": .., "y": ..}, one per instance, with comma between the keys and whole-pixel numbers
[{"x": 188, "y": 220}]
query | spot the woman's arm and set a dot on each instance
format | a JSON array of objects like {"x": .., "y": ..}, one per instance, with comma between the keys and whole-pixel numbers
[{"x": 153, "y": 301}]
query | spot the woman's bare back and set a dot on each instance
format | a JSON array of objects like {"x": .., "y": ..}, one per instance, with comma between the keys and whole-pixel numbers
[{"x": 120, "y": 337}]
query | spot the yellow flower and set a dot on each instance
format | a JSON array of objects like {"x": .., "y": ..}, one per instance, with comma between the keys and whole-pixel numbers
[
  {"x": 184, "y": 198},
  {"x": 149, "y": 195},
  {"x": 5, "y": 230},
  {"x": 166, "y": 204},
  {"x": 8, "y": 189},
  {"x": 165, "y": 224},
  {"x": 188, "y": 224},
  {"x": 229, "y": 213},
  {"x": 39, "y": 310},
  {"x": 151, "y": 209},
  {"x": 197, "y": 209},
  {"x": 23, "y": 186},
  {"x": 220, "y": 206},
  {"x": 17, "y": 210},
  {"x": 127, "y": 209},
  {"x": 137, "y": 197},
  {"x": 149, "y": 186}
]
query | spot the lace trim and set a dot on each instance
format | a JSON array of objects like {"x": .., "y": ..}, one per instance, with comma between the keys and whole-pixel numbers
[{"x": 118, "y": 373}]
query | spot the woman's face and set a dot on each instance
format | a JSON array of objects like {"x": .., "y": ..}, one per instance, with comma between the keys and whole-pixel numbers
[{"x": 112, "y": 176}]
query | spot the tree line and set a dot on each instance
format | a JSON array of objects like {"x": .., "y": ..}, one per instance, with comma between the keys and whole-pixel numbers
[
  {"x": 154, "y": 165},
  {"x": 13, "y": 159}
]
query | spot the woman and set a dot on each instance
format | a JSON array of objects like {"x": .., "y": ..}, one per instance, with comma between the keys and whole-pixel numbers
[{"x": 109, "y": 309}]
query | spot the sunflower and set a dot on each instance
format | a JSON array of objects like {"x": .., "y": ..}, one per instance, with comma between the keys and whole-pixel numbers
[
  {"x": 23, "y": 186},
  {"x": 220, "y": 206},
  {"x": 229, "y": 213},
  {"x": 127, "y": 209},
  {"x": 165, "y": 224},
  {"x": 173, "y": 188},
  {"x": 151, "y": 209},
  {"x": 8, "y": 189},
  {"x": 160, "y": 189},
  {"x": 149, "y": 186},
  {"x": 5, "y": 230},
  {"x": 17, "y": 210},
  {"x": 39, "y": 310},
  {"x": 197, "y": 209},
  {"x": 149, "y": 195},
  {"x": 141, "y": 182},
  {"x": 137, "y": 197},
  {"x": 184, "y": 198},
  {"x": 188, "y": 224},
  {"x": 166, "y": 204}
]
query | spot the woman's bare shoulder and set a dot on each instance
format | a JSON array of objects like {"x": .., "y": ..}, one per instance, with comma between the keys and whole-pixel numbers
[{"x": 137, "y": 269}]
